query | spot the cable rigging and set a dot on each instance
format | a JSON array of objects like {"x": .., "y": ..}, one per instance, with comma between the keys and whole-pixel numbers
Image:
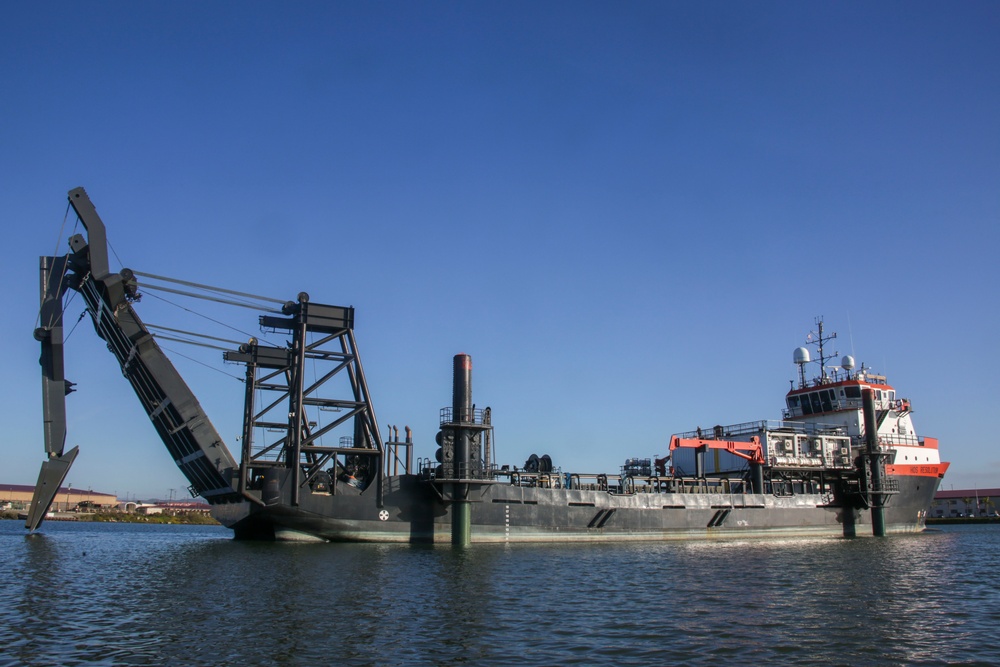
[
  {"x": 211, "y": 319},
  {"x": 246, "y": 302},
  {"x": 230, "y": 343},
  {"x": 197, "y": 361},
  {"x": 48, "y": 275}
]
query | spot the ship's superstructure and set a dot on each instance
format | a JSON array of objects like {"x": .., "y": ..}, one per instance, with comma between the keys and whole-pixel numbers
[
  {"x": 834, "y": 399},
  {"x": 844, "y": 459}
]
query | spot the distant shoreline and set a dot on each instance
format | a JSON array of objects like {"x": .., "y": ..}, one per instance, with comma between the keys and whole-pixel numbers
[
  {"x": 959, "y": 520},
  {"x": 193, "y": 519}
]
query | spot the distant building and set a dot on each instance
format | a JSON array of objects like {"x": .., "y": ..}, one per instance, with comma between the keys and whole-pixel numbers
[
  {"x": 18, "y": 496},
  {"x": 966, "y": 503},
  {"x": 171, "y": 507},
  {"x": 185, "y": 507}
]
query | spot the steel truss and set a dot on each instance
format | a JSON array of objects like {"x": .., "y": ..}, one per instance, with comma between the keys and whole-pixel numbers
[{"x": 322, "y": 336}]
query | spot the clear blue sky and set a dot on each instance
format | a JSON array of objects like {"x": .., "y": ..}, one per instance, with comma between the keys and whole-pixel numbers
[{"x": 629, "y": 214}]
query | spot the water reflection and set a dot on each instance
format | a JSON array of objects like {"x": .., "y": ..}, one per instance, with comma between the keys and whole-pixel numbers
[{"x": 131, "y": 596}]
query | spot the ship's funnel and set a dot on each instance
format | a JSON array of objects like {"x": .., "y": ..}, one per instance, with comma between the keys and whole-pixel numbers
[{"x": 461, "y": 397}]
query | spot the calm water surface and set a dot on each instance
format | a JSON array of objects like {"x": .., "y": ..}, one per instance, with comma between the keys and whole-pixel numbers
[{"x": 121, "y": 594}]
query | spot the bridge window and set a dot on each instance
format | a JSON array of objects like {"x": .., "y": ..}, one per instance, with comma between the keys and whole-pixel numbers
[
  {"x": 814, "y": 399},
  {"x": 853, "y": 391}
]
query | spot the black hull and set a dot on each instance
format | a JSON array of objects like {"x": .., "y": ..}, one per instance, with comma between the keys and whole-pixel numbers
[{"x": 413, "y": 512}]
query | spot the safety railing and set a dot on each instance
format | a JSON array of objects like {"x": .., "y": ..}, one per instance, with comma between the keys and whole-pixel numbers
[{"x": 465, "y": 416}]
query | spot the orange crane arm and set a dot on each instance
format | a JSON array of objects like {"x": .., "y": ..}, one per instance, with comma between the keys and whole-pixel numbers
[{"x": 751, "y": 451}]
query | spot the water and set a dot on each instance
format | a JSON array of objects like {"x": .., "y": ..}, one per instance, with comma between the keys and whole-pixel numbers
[{"x": 125, "y": 594}]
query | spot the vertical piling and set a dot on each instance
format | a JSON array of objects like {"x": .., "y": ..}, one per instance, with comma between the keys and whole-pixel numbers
[
  {"x": 874, "y": 462},
  {"x": 850, "y": 526},
  {"x": 409, "y": 450},
  {"x": 462, "y": 414},
  {"x": 756, "y": 478}
]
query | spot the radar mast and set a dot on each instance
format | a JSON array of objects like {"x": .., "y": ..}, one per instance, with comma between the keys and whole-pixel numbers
[{"x": 818, "y": 339}]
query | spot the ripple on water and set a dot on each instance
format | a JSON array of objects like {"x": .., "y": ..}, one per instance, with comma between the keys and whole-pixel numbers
[{"x": 142, "y": 595}]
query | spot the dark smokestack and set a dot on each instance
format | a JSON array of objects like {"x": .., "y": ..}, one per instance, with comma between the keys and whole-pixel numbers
[{"x": 461, "y": 398}]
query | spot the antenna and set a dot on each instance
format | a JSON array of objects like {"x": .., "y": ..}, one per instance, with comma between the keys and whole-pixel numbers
[
  {"x": 850, "y": 332},
  {"x": 819, "y": 343}
]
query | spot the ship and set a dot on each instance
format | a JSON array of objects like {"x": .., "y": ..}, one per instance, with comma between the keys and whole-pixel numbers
[{"x": 843, "y": 461}]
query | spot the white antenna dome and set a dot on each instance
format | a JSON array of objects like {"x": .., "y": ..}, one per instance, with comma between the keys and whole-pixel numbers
[
  {"x": 801, "y": 355},
  {"x": 847, "y": 363}
]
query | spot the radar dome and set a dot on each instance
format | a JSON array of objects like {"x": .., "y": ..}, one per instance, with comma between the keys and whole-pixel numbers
[
  {"x": 801, "y": 355},
  {"x": 847, "y": 363}
]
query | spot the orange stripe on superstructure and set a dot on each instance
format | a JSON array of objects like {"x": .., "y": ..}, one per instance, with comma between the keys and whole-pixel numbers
[{"x": 934, "y": 470}]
